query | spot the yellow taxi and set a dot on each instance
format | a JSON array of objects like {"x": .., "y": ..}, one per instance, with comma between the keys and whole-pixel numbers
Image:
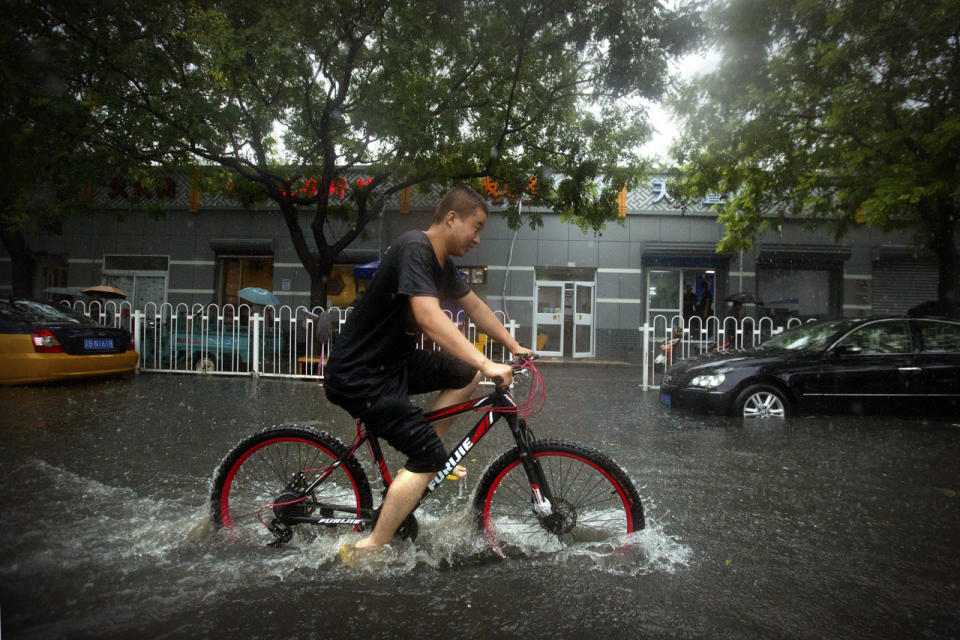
[{"x": 40, "y": 342}]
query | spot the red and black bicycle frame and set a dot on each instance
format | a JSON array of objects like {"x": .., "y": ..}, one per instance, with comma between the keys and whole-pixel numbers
[{"x": 496, "y": 405}]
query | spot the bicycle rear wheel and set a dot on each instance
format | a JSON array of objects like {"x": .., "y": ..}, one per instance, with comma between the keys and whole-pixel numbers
[
  {"x": 262, "y": 479},
  {"x": 593, "y": 499}
]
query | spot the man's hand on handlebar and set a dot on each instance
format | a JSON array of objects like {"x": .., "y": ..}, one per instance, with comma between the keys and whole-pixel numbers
[
  {"x": 522, "y": 353},
  {"x": 501, "y": 374}
]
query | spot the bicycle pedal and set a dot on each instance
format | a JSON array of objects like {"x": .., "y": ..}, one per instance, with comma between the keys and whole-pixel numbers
[{"x": 283, "y": 534}]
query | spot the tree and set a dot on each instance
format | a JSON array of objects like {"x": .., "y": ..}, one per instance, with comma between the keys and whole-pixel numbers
[
  {"x": 289, "y": 97},
  {"x": 844, "y": 112},
  {"x": 42, "y": 129},
  {"x": 49, "y": 144}
]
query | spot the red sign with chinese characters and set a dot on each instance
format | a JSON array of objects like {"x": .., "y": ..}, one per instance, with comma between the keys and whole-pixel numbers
[
  {"x": 497, "y": 195},
  {"x": 337, "y": 187}
]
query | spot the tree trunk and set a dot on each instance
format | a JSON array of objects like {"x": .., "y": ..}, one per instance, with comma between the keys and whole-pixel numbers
[
  {"x": 320, "y": 277},
  {"x": 318, "y": 290},
  {"x": 947, "y": 247},
  {"x": 22, "y": 262}
]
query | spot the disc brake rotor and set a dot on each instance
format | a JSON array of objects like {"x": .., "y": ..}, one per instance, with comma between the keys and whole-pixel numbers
[{"x": 563, "y": 519}]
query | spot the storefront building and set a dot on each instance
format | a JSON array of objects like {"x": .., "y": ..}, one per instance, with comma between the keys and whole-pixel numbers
[{"x": 572, "y": 294}]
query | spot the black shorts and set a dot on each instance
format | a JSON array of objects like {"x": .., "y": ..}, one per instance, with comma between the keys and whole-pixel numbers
[{"x": 392, "y": 417}]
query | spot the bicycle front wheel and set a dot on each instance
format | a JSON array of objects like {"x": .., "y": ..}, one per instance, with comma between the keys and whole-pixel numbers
[
  {"x": 592, "y": 499},
  {"x": 262, "y": 481}
]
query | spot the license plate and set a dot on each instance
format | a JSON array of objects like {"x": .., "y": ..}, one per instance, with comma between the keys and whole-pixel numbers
[
  {"x": 98, "y": 344},
  {"x": 665, "y": 399}
]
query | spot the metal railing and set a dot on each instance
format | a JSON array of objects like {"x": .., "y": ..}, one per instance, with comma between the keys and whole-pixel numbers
[
  {"x": 280, "y": 342},
  {"x": 670, "y": 339}
]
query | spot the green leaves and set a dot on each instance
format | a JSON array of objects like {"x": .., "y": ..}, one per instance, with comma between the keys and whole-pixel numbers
[
  {"x": 420, "y": 92},
  {"x": 843, "y": 103},
  {"x": 842, "y": 112}
]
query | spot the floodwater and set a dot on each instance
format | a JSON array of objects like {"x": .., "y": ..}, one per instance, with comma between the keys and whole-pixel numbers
[{"x": 812, "y": 527}]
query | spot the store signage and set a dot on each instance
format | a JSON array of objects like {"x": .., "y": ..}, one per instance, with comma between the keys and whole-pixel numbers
[{"x": 338, "y": 187}]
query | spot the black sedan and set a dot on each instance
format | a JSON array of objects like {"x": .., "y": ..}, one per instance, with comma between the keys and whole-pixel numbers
[{"x": 861, "y": 365}]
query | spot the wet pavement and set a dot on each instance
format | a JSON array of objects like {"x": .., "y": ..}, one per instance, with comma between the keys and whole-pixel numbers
[{"x": 812, "y": 527}]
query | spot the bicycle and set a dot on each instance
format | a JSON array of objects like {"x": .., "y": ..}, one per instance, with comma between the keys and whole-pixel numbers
[{"x": 292, "y": 478}]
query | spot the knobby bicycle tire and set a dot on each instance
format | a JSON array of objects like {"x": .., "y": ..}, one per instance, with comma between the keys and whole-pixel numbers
[
  {"x": 593, "y": 496},
  {"x": 251, "y": 481}
]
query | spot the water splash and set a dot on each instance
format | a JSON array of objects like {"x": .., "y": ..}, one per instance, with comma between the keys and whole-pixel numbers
[{"x": 116, "y": 530}]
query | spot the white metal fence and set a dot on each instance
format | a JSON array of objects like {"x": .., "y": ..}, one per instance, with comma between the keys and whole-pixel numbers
[
  {"x": 287, "y": 342},
  {"x": 671, "y": 339},
  {"x": 282, "y": 342}
]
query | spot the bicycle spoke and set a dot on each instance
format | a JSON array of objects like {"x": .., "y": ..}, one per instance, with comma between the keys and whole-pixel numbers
[
  {"x": 253, "y": 485},
  {"x": 587, "y": 503}
]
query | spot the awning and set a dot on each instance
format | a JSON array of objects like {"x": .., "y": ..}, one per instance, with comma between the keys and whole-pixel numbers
[
  {"x": 800, "y": 254},
  {"x": 688, "y": 261},
  {"x": 903, "y": 253},
  {"x": 63, "y": 291},
  {"x": 249, "y": 246},
  {"x": 693, "y": 255}
]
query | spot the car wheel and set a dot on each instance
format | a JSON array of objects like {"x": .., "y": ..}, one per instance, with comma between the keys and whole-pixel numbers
[
  {"x": 762, "y": 401},
  {"x": 204, "y": 364}
]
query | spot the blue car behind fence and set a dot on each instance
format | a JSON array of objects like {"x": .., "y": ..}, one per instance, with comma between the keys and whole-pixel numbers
[{"x": 229, "y": 349}]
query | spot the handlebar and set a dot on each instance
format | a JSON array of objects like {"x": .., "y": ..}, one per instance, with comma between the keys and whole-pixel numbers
[{"x": 520, "y": 363}]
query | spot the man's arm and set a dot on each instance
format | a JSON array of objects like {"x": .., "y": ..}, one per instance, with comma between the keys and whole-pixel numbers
[
  {"x": 437, "y": 326},
  {"x": 488, "y": 322}
]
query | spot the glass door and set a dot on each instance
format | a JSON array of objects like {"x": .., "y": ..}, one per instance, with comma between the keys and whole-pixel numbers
[
  {"x": 663, "y": 295},
  {"x": 548, "y": 319},
  {"x": 239, "y": 272},
  {"x": 584, "y": 341}
]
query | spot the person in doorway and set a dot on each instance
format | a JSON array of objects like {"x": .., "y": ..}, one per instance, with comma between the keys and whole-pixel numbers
[
  {"x": 705, "y": 305},
  {"x": 375, "y": 366},
  {"x": 689, "y": 301},
  {"x": 736, "y": 310}
]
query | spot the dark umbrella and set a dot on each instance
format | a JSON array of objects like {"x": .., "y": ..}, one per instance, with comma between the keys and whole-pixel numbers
[{"x": 744, "y": 297}]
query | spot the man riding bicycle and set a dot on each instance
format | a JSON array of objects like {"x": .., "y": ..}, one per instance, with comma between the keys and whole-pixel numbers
[{"x": 375, "y": 366}]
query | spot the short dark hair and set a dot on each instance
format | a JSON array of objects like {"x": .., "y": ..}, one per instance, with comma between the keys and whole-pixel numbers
[{"x": 461, "y": 199}]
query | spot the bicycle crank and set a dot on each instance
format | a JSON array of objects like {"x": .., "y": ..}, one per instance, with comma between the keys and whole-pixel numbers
[{"x": 290, "y": 505}]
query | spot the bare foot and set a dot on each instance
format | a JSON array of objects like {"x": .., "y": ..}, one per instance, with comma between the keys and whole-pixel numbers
[
  {"x": 354, "y": 554},
  {"x": 459, "y": 473},
  {"x": 365, "y": 543}
]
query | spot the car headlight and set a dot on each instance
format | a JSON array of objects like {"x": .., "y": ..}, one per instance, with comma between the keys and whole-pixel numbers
[{"x": 708, "y": 381}]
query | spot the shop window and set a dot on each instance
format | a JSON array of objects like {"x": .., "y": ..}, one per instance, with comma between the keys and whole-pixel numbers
[
  {"x": 344, "y": 286},
  {"x": 476, "y": 277},
  {"x": 51, "y": 278},
  {"x": 143, "y": 278},
  {"x": 792, "y": 291},
  {"x": 236, "y": 272}
]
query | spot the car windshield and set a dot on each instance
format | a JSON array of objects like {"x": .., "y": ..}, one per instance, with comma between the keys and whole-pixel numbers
[
  {"x": 33, "y": 312},
  {"x": 813, "y": 335}
]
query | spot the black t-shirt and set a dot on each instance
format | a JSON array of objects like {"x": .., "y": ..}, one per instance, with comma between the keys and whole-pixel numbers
[{"x": 370, "y": 356}]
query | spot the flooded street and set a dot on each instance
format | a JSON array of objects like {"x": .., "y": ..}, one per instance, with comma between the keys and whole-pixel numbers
[{"x": 813, "y": 527}]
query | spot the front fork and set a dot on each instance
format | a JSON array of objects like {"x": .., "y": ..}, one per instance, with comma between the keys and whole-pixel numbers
[{"x": 540, "y": 493}]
